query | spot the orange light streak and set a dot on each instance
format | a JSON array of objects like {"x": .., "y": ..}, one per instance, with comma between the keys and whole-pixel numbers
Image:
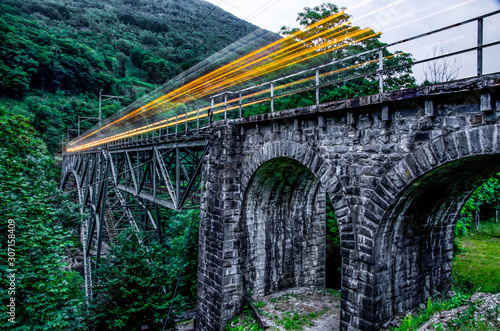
[
  {"x": 224, "y": 79},
  {"x": 215, "y": 72},
  {"x": 139, "y": 131},
  {"x": 174, "y": 120},
  {"x": 202, "y": 89}
]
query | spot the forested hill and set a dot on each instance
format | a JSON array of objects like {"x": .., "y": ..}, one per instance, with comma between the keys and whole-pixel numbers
[{"x": 56, "y": 55}]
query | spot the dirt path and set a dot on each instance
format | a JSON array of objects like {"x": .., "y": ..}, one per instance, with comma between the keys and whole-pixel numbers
[{"x": 301, "y": 309}]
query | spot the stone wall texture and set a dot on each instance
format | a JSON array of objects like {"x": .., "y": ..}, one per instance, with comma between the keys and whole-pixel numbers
[{"x": 397, "y": 168}]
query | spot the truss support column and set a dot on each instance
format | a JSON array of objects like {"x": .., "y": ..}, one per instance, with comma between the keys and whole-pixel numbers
[
  {"x": 157, "y": 213},
  {"x": 101, "y": 203}
]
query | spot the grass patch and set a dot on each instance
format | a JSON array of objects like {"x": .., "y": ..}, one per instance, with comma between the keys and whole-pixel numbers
[
  {"x": 243, "y": 322},
  {"x": 490, "y": 229},
  {"x": 333, "y": 292},
  {"x": 412, "y": 322},
  {"x": 293, "y": 320},
  {"x": 478, "y": 263}
]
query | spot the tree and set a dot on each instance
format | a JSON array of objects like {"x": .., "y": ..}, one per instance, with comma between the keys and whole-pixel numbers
[
  {"x": 136, "y": 283},
  {"x": 338, "y": 31},
  {"x": 133, "y": 288},
  {"x": 486, "y": 196},
  {"x": 442, "y": 70},
  {"x": 48, "y": 295}
]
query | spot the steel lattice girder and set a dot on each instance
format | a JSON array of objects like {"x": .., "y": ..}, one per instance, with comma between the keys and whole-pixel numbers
[{"x": 122, "y": 189}]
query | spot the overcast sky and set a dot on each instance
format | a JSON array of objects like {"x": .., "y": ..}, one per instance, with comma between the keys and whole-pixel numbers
[
  {"x": 272, "y": 14},
  {"x": 396, "y": 19}
]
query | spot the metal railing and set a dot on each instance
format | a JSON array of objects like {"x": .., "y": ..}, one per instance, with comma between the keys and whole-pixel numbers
[{"x": 380, "y": 72}]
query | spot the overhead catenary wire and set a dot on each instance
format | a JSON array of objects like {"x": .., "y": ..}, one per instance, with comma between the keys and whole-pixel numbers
[{"x": 248, "y": 17}]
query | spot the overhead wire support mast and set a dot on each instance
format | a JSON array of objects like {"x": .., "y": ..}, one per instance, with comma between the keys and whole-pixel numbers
[{"x": 108, "y": 97}]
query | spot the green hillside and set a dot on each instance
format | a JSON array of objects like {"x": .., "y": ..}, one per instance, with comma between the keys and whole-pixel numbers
[{"x": 56, "y": 55}]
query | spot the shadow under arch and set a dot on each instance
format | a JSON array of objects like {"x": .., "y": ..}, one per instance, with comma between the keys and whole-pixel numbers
[
  {"x": 315, "y": 171},
  {"x": 284, "y": 222},
  {"x": 413, "y": 247}
]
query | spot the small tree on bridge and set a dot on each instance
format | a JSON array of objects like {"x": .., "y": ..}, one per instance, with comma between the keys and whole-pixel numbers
[{"x": 338, "y": 31}]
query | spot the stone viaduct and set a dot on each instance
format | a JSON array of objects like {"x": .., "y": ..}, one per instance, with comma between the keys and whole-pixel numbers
[{"x": 397, "y": 168}]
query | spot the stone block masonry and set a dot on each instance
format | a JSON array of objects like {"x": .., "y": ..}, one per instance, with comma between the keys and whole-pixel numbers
[{"x": 397, "y": 173}]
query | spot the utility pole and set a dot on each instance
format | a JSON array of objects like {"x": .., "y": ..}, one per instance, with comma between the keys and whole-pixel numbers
[
  {"x": 100, "y": 117},
  {"x": 108, "y": 97}
]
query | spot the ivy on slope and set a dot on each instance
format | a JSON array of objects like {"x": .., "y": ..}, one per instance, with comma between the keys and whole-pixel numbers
[
  {"x": 47, "y": 295},
  {"x": 81, "y": 46},
  {"x": 53, "y": 52}
]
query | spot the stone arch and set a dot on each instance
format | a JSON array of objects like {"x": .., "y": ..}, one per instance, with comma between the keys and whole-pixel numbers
[
  {"x": 284, "y": 185},
  {"x": 283, "y": 217},
  {"x": 412, "y": 213},
  {"x": 321, "y": 168}
]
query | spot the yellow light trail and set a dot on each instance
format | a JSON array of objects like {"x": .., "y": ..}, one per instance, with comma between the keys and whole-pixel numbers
[
  {"x": 236, "y": 77},
  {"x": 139, "y": 131},
  {"x": 136, "y": 132},
  {"x": 158, "y": 125},
  {"x": 224, "y": 81},
  {"x": 209, "y": 76},
  {"x": 233, "y": 64}
]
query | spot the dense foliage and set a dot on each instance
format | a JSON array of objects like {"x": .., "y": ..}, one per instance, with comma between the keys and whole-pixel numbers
[
  {"x": 48, "y": 295},
  {"x": 136, "y": 283},
  {"x": 80, "y": 46},
  {"x": 482, "y": 206},
  {"x": 56, "y": 55}
]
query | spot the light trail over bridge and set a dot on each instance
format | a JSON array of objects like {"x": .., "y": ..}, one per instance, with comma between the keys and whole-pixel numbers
[{"x": 396, "y": 164}]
